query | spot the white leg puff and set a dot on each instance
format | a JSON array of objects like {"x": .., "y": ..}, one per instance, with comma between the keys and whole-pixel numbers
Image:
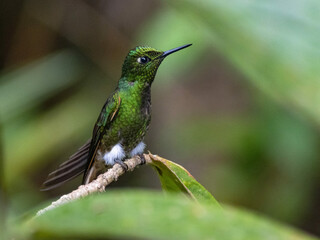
[
  {"x": 138, "y": 149},
  {"x": 116, "y": 152}
]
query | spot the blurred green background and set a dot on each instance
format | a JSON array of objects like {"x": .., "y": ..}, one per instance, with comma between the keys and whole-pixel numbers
[{"x": 240, "y": 109}]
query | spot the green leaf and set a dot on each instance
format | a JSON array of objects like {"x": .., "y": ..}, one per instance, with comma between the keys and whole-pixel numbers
[
  {"x": 175, "y": 178},
  {"x": 152, "y": 215}
]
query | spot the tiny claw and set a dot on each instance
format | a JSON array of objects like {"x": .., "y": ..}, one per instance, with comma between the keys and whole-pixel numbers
[
  {"x": 142, "y": 158},
  {"x": 122, "y": 164}
]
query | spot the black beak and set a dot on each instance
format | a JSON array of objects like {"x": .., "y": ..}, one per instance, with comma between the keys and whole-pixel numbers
[{"x": 166, "y": 53}]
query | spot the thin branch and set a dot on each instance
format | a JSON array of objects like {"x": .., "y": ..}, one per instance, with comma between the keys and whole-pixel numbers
[{"x": 97, "y": 185}]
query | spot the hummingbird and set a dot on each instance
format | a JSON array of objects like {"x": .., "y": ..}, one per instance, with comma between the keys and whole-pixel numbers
[{"x": 122, "y": 124}]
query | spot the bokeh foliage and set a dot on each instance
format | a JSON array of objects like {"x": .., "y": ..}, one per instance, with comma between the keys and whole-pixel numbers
[
  {"x": 239, "y": 108},
  {"x": 150, "y": 215}
]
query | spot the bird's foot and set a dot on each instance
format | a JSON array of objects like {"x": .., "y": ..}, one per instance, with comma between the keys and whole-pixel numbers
[
  {"x": 143, "y": 160},
  {"x": 122, "y": 164}
]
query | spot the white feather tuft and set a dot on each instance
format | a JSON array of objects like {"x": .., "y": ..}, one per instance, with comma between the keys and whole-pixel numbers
[
  {"x": 116, "y": 152},
  {"x": 138, "y": 149}
]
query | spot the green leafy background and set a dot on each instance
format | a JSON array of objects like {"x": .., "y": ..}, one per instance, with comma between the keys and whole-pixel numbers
[{"x": 239, "y": 109}]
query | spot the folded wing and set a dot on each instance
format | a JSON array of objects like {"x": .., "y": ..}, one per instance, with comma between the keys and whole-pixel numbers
[{"x": 70, "y": 169}]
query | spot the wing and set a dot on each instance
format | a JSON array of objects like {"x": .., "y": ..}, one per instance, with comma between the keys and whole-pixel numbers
[
  {"x": 107, "y": 115},
  {"x": 68, "y": 170},
  {"x": 82, "y": 160}
]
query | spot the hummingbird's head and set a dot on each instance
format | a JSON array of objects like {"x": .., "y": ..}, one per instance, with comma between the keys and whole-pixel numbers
[{"x": 141, "y": 63}]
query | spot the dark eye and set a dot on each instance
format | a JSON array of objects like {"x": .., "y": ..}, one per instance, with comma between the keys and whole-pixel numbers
[{"x": 143, "y": 60}]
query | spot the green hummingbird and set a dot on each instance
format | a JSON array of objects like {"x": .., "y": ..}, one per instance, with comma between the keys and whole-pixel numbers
[{"x": 122, "y": 124}]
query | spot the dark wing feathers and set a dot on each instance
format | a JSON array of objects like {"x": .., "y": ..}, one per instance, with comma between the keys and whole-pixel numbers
[
  {"x": 68, "y": 170},
  {"x": 58, "y": 180},
  {"x": 81, "y": 151},
  {"x": 82, "y": 160},
  {"x": 108, "y": 113}
]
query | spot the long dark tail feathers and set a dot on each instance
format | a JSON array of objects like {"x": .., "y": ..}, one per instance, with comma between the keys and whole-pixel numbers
[{"x": 68, "y": 170}]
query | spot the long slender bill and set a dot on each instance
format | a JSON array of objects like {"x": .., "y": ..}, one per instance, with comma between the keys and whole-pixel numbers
[{"x": 166, "y": 53}]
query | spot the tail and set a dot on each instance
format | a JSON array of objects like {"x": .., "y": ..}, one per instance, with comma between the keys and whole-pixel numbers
[{"x": 70, "y": 169}]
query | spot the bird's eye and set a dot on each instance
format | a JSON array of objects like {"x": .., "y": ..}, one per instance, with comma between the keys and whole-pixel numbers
[{"x": 143, "y": 60}]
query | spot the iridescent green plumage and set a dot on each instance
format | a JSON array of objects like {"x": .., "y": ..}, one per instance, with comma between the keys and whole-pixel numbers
[{"x": 122, "y": 123}]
